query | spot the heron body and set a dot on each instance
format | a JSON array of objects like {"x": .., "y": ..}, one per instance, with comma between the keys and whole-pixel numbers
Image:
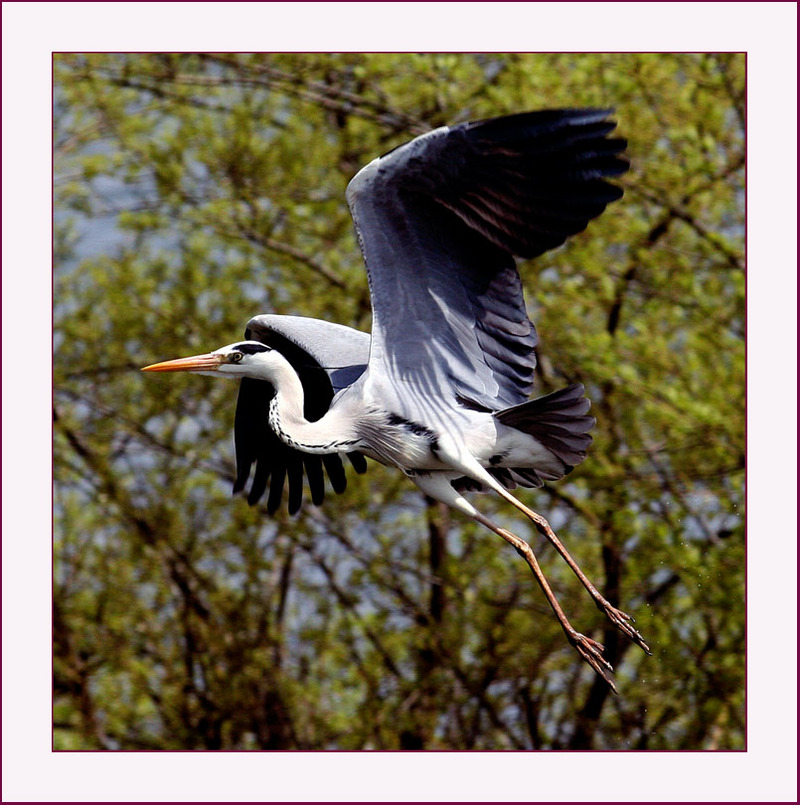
[{"x": 441, "y": 387}]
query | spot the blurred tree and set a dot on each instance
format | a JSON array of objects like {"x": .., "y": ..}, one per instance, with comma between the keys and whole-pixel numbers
[{"x": 193, "y": 191}]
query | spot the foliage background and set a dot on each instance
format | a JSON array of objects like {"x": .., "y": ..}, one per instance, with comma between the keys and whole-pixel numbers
[{"x": 192, "y": 191}]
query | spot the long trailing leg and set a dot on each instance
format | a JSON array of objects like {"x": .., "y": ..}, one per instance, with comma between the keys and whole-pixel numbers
[
  {"x": 437, "y": 485},
  {"x": 620, "y": 619}
]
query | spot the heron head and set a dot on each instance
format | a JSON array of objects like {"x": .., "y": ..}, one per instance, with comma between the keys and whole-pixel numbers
[{"x": 242, "y": 359}]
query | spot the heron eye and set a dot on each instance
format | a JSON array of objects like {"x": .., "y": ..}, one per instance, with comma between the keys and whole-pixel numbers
[{"x": 235, "y": 357}]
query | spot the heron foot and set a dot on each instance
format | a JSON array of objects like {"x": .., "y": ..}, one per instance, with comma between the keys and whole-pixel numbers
[
  {"x": 592, "y": 652},
  {"x": 624, "y": 623}
]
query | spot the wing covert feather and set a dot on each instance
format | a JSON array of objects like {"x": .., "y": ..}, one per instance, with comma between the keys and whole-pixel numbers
[{"x": 439, "y": 220}]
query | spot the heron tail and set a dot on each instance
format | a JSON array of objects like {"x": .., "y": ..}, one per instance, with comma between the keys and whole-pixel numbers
[{"x": 559, "y": 421}]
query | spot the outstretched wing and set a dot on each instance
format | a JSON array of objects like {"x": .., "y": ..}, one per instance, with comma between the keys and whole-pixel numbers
[
  {"x": 327, "y": 357},
  {"x": 438, "y": 221}
]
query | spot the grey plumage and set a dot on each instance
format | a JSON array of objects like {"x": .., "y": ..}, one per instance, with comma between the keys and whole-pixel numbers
[{"x": 441, "y": 387}]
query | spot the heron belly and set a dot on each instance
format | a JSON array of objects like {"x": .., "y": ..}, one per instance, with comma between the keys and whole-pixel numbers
[
  {"x": 513, "y": 448},
  {"x": 400, "y": 442}
]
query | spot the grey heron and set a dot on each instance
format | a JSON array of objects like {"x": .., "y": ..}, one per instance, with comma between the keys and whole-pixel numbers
[{"x": 441, "y": 387}]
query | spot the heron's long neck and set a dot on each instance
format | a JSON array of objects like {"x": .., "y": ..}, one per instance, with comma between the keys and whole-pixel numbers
[{"x": 334, "y": 433}]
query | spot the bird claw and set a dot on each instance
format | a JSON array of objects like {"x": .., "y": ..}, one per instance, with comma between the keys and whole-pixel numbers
[
  {"x": 623, "y": 622},
  {"x": 592, "y": 652}
]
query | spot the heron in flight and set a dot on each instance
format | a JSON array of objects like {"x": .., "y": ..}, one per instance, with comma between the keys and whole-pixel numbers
[{"x": 441, "y": 387}]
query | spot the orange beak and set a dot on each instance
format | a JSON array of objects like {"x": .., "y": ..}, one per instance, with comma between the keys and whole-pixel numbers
[{"x": 197, "y": 363}]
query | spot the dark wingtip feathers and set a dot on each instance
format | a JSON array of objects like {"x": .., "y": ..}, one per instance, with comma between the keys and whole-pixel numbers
[{"x": 529, "y": 181}]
